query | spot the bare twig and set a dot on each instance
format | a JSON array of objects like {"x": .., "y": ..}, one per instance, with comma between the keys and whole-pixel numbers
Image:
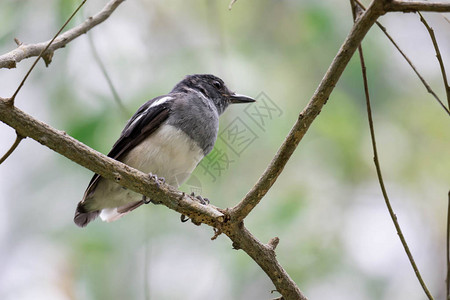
[
  {"x": 231, "y": 4},
  {"x": 102, "y": 67},
  {"x": 424, "y": 82},
  {"x": 378, "y": 168},
  {"x": 19, "y": 138},
  {"x": 413, "y": 6},
  {"x": 10, "y": 59},
  {"x": 388, "y": 204},
  {"x": 11, "y": 100},
  {"x": 438, "y": 56},
  {"x": 446, "y": 19},
  {"x": 307, "y": 116},
  {"x": 264, "y": 256}
]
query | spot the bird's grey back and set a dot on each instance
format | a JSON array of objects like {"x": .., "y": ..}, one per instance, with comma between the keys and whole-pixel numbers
[{"x": 197, "y": 117}]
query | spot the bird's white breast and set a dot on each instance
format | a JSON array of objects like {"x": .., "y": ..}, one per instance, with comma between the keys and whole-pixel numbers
[{"x": 168, "y": 153}]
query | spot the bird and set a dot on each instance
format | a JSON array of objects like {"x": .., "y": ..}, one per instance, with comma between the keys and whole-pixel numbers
[{"x": 167, "y": 138}]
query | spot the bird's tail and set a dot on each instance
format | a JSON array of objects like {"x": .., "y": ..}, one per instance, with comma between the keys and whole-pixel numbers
[
  {"x": 115, "y": 213},
  {"x": 83, "y": 217}
]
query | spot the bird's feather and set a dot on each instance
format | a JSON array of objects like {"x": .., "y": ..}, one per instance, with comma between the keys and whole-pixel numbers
[{"x": 143, "y": 123}]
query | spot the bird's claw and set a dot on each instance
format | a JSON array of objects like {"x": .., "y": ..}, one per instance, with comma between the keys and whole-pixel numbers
[
  {"x": 146, "y": 200},
  {"x": 202, "y": 200},
  {"x": 157, "y": 179},
  {"x": 184, "y": 219}
]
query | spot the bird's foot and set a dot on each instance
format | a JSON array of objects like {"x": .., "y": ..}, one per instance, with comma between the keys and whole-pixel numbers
[
  {"x": 146, "y": 200},
  {"x": 202, "y": 200},
  {"x": 157, "y": 179}
]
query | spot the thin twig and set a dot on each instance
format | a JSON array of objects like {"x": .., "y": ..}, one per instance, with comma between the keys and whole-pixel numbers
[
  {"x": 438, "y": 56},
  {"x": 19, "y": 138},
  {"x": 10, "y": 59},
  {"x": 378, "y": 169},
  {"x": 231, "y": 4},
  {"x": 446, "y": 19},
  {"x": 102, "y": 67},
  {"x": 11, "y": 100},
  {"x": 447, "y": 246},
  {"x": 413, "y": 6},
  {"x": 310, "y": 112},
  {"x": 424, "y": 82}
]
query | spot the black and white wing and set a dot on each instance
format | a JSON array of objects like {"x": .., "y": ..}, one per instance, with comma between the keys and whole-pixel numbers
[{"x": 143, "y": 123}]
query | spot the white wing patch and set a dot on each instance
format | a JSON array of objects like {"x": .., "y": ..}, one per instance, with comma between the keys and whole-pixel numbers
[
  {"x": 156, "y": 103},
  {"x": 160, "y": 101},
  {"x": 135, "y": 120}
]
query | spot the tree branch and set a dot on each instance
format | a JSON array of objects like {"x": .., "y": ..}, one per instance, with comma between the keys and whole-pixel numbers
[
  {"x": 226, "y": 221},
  {"x": 10, "y": 59},
  {"x": 231, "y": 4},
  {"x": 16, "y": 143},
  {"x": 47, "y": 58},
  {"x": 388, "y": 203},
  {"x": 413, "y": 6},
  {"x": 264, "y": 256},
  {"x": 424, "y": 82},
  {"x": 107, "y": 167},
  {"x": 378, "y": 167},
  {"x": 140, "y": 182},
  {"x": 310, "y": 112},
  {"x": 438, "y": 56}
]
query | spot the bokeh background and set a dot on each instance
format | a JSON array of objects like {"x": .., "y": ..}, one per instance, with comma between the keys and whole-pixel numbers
[{"x": 337, "y": 239}]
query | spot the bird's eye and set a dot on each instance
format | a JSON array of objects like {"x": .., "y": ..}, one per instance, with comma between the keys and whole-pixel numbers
[{"x": 217, "y": 84}]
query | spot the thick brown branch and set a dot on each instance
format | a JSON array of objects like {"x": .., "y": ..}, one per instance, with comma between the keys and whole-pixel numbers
[
  {"x": 412, "y": 6},
  {"x": 264, "y": 256},
  {"x": 10, "y": 59},
  {"x": 310, "y": 112},
  {"x": 107, "y": 167},
  {"x": 137, "y": 181}
]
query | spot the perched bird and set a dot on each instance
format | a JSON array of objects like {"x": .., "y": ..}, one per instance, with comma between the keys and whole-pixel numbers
[{"x": 167, "y": 137}]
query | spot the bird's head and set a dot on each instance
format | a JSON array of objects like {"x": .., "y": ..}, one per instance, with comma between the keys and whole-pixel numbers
[{"x": 213, "y": 88}]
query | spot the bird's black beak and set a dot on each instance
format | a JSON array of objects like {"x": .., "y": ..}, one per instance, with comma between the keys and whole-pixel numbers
[{"x": 236, "y": 98}]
